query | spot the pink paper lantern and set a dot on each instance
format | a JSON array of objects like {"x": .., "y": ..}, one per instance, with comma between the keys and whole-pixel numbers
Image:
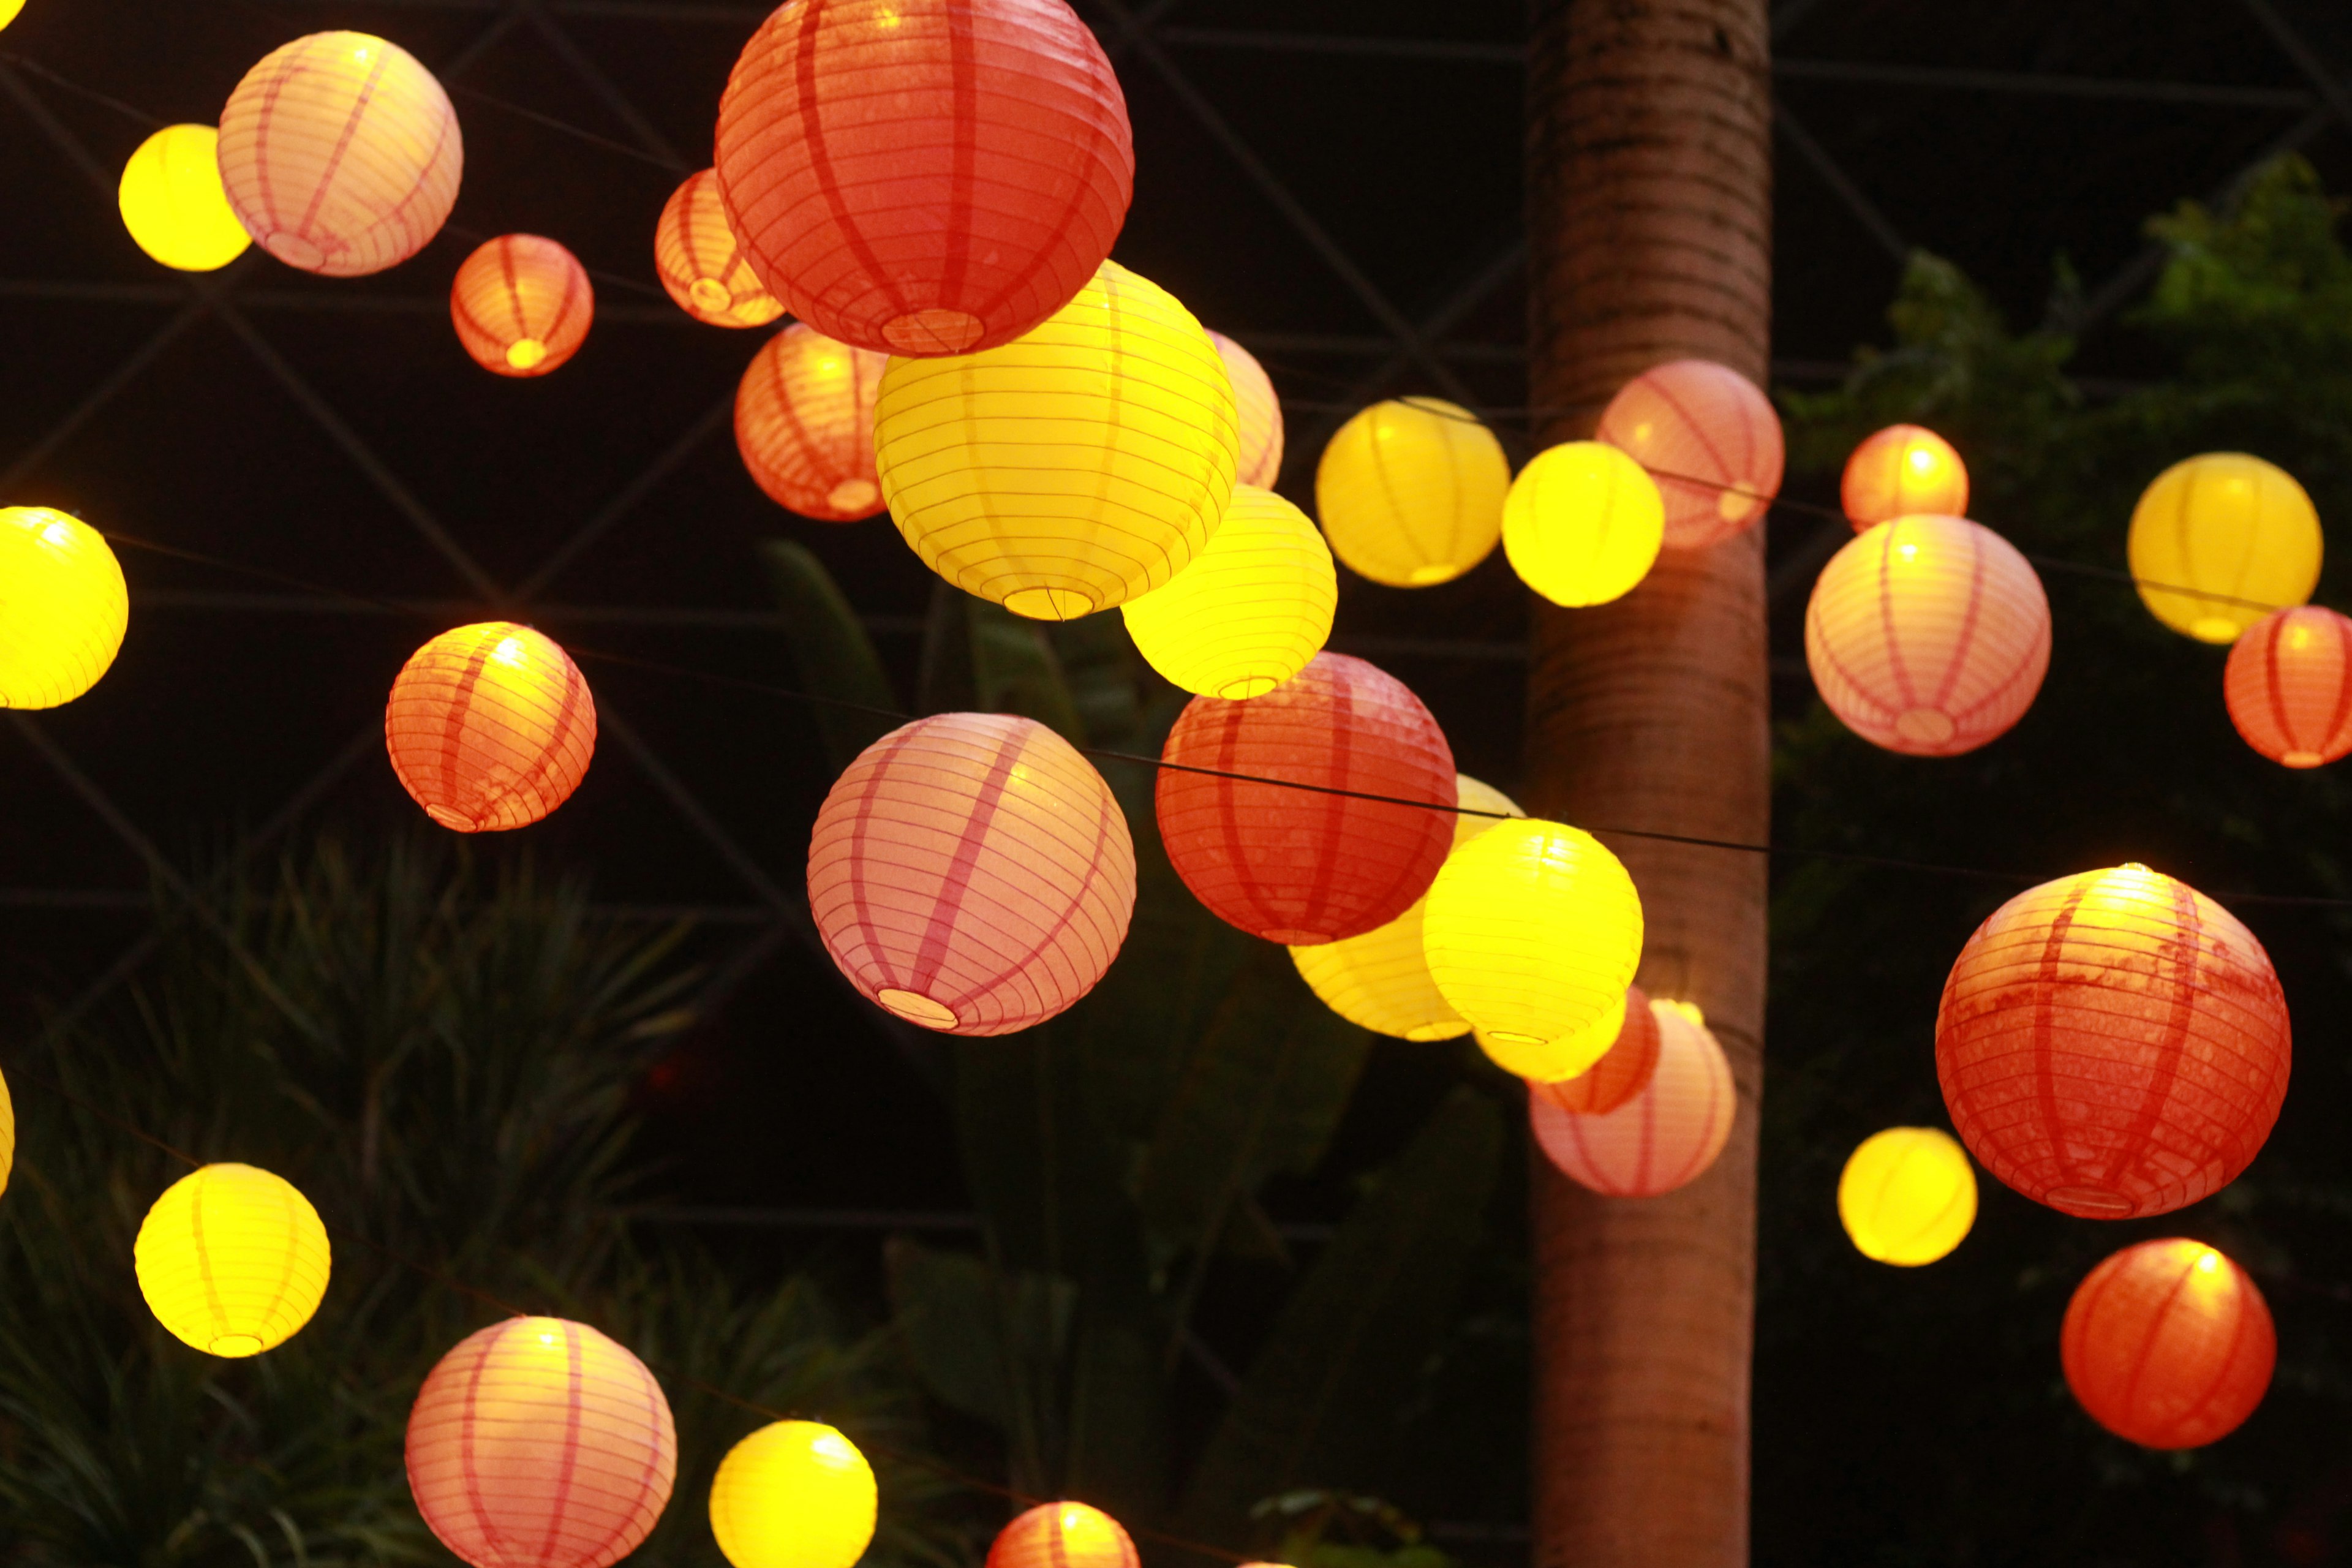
[
  {"x": 1663, "y": 1137},
  {"x": 1711, "y": 440}
]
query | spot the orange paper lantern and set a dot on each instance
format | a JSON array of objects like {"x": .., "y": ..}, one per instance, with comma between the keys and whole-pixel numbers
[
  {"x": 1259, "y": 413},
  {"x": 2289, "y": 686},
  {"x": 522, "y": 304},
  {"x": 1660, "y": 1139},
  {"x": 804, "y": 424},
  {"x": 2168, "y": 1344},
  {"x": 1622, "y": 1073},
  {"x": 1062, "y": 1535},
  {"x": 2112, "y": 1044},
  {"x": 700, "y": 264},
  {"x": 1709, "y": 438},
  {"x": 1902, "y": 471},
  {"x": 489, "y": 727}
]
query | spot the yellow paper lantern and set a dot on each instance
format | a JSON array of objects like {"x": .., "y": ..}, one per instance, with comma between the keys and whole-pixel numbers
[
  {"x": 233, "y": 1260},
  {"x": 7, "y": 1136},
  {"x": 2219, "y": 541},
  {"x": 63, "y": 607},
  {"x": 1569, "y": 1057},
  {"x": 1908, "y": 1195},
  {"x": 797, "y": 1494},
  {"x": 173, "y": 203},
  {"x": 9, "y": 10},
  {"x": 1251, "y": 609},
  {"x": 1075, "y": 467},
  {"x": 1411, "y": 493},
  {"x": 1584, "y": 523}
]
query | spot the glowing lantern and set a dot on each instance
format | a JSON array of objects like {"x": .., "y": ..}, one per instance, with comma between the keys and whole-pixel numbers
[
  {"x": 1907, "y": 1195},
  {"x": 925, "y": 177},
  {"x": 2112, "y": 1044},
  {"x": 797, "y": 1494},
  {"x": 1623, "y": 1070},
  {"x": 2219, "y": 541},
  {"x": 340, "y": 155},
  {"x": 1902, "y": 471},
  {"x": 2168, "y": 1344},
  {"x": 804, "y": 424},
  {"x": 1062, "y": 1535},
  {"x": 522, "y": 304},
  {"x": 491, "y": 727},
  {"x": 1307, "y": 866},
  {"x": 7, "y": 1135},
  {"x": 9, "y": 10},
  {"x": 232, "y": 1260},
  {"x": 1411, "y": 493},
  {"x": 700, "y": 263},
  {"x": 972, "y": 873},
  {"x": 1709, "y": 438},
  {"x": 1582, "y": 523},
  {"x": 1257, "y": 412},
  {"x": 1251, "y": 609},
  {"x": 1664, "y": 1137},
  {"x": 2289, "y": 686},
  {"x": 1379, "y": 981},
  {"x": 173, "y": 204},
  {"x": 1563, "y": 1059},
  {"x": 65, "y": 610},
  {"x": 538, "y": 1443}
]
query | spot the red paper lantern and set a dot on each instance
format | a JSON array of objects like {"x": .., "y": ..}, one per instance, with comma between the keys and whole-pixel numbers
[
  {"x": 2289, "y": 686},
  {"x": 2168, "y": 1344},
  {"x": 1902, "y": 471},
  {"x": 804, "y": 424},
  {"x": 1709, "y": 438},
  {"x": 1623, "y": 1072},
  {"x": 925, "y": 178},
  {"x": 522, "y": 304},
  {"x": 2112, "y": 1044},
  {"x": 1302, "y": 866},
  {"x": 698, "y": 261},
  {"x": 489, "y": 727},
  {"x": 1063, "y": 1535},
  {"x": 1661, "y": 1138}
]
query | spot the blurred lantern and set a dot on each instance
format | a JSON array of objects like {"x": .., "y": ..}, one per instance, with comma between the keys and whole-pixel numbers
[
  {"x": 489, "y": 727},
  {"x": 797, "y": 1494},
  {"x": 340, "y": 155},
  {"x": 1561, "y": 1060},
  {"x": 538, "y": 1443},
  {"x": 925, "y": 177},
  {"x": 1251, "y": 609},
  {"x": 698, "y": 261},
  {"x": 2168, "y": 1344},
  {"x": 522, "y": 304},
  {"x": 1307, "y": 865},
  {"x": 972, "y": 873},
  {"x": 804, "y": 424},
  {"x": 1902, "y": 471},
  {"x": 1072, "y": 470},
  {"x": 232, "y": 1260},
  {"x": 2219, "y": 541},
  {"x": 2289, "y": 686},
  {"x": 1062, "y": 1535},
  {"x": 1582, "y": 524},
  {"x": 1379, "y": 981},
  {"x": 1928, "y": 636},
  {"x": 1907, "y": 1195},
  {"x": 2112, "y": 1044},
  {"x": 1623, "y": 1070},
  {"x": 9, "y": 10},
  {"x": 1664, "y": 1137},
  {"x": 1709, "y": 438},
  {"x": 64, "y": 611},
  {"x": 1411, "y": 493},
  {"x": 7, "y": 1135},
  {"x": 1257, "y": 414},
  {"x": 173, "y": 204}
]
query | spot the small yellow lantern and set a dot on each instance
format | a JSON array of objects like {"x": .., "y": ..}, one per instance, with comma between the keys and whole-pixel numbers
[
  {"x": 2219, "y": 541},
  {"x": 173, "y": 203},
  {"x": 1584, "y": 523},
  {"x": 1251, "y": 609},
  {"x": 63, "y": 609},
  {"x": 9, "y": 10},
  {"x": 232, "y": 1259},
  {"x": 1411, "y": 493},
  {"x": 797, "y": 1494},
  {"x": 7, "y": 1135},
  {"x": 1908, "y": 1195}
]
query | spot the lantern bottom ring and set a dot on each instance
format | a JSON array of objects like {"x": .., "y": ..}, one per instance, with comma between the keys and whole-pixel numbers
[
  {"x": 2213, "y": 629},
  {"x": 2089, "y": 1202},
  {"x": 1925, "y": 726},
  {"x": 1424, "y": 576},
  {"x": 933, "y": 331},
  {"x": 1061, "y": 604},
  {"x": 295, "y": 251},
  {"x": 2302, "y": 760},
  {"x": 1286, "y": 938},
  {"x": 235, "y": 1346},
  {"x": 1251, "y": 686},
  {"x": 710, "y": 294},
  {"x": 853, "y": 495},
  {"x": 917, "y": 1008},
  {"x": 1427, "y": 1032}
]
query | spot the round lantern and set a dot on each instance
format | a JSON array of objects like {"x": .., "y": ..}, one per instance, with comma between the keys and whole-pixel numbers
[
  {"x": 489, "y": 727},
  {"x": 1257, "y": 414},
  {"x": 65, "y": 610},
  {"x": 1251, "y": 609},
  {"x": 1902, "y": 471},
  {"x": 804, "y": 424},
  {"x": 1062, "y": 1535},
  {"x": 173, "y": 203},
  {"x": 340, "y": 155},
  {"x": 972, "y": 873},
  {"x": 1623, "y": 1070},
  {"x": 1411, "y": 493},
  {"x": 1563, "y": 1059},
  {"x": 700, "y": 264},
  {"x": 1664, "y": 1137},
  {"x": 1069, "y": 471},
  {"x": 1582, "y": 524},
  {"x": 2219, "y": 541},
  {"x": 1907, "y": 1196},
  {"x": 2289, "y": 686},
  {"x": 925, "y": 177},
  {"x": 1928, "y": 636},
  {"x": 232, "y": 1260},
  {"x": 2168, "y": 1344},
  {"x": 1379, "y": 981},
  {"x": 797, "y": 1494},
  {"x": 10, "y": 10},
  {"x": 522, "y": 304},
  {"x": 1305, "y": 866},
  {"x": 2112, "y": 1044},
  {"x": 1709, "y": 438},
  {"x": 7, "y": 1135},
  {"x": 538, "y": 1443}
]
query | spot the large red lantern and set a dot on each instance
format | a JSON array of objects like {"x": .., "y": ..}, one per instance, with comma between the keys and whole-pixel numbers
[
  {"x": 700, "y": 264},
  {"x": 1710, "y": 439},
  {"x": 1623, "y": 1070},
  {"x": 2168, "y": 1344},
  {"x": 1664, "y": 1137},
  {"x": 804, "y": 424},
  {"x": 522, "y": 305},
  {"x": 489, "y": 727},
  {"x": 1062, "y": 1535},
  {"x": 2289, "y": 686}
]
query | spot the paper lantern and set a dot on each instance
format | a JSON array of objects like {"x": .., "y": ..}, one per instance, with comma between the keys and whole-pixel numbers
[
  {"x": 232, "y": 1260},
  {"x": 1062, "y": 1535},
  {"x": 925, "y": 177},
  {"x": 65, "y": 610},
  {"x": 2289, "y": 686},
  {"x": 10, "y": 10},
  {"x": 340, "y": 155},
  {"x": 173, "y": 204},
  {"x": 2219, "y": 541},
  {"x": 804, "y": 424},
  {"x": 1564, "y": 1059},
  {"x": 1410, "y": 492},
  {"x": 2168, "y": 1344},
  {"x": 1663, "y": 1137},
  {"x": 1379, "y": 981},
  {"x": 1582, "y": 524},
  {"x": 7, "y": 1135},
  {"x": 538, "y": 1443},
  {"x": 1307, "y": 866},
  {"x": 700, "y": 263},
  {"x": 972, "y": 873},
  {"x": 1928, "y": 636},
  {"x": 522, "y": 304},
  {"x": 2112, "y": 1044},
  {"x": 1623, "y": 1070},
  {"x": 1257, "y": 414},
  {"x": 1249, "y": 612},
  {"x": 1907, "y": 1196},
  {"x": 1709, "y": 438},
  {"x": 795, "y": 1494},
  {"x": 1902, "y": 471},
  {"x": 491, "y": 727}
]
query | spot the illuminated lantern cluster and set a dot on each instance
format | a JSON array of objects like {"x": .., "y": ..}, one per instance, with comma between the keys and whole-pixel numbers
[
  {"x": 700, "y": 264},
  {"x": 1062, "y": 1535},
  {"x": 1257, "y": 414},
  {"x": 2112, "y": 1044},
  {"x": 65, "y": 610},
  {"x": 925, "y": 177},
  {"x": 1410, "y": 492},
  {"x": 1663, "y": 1137},
  {"x": 232, "y": 1260},
  {"x": 2168, "y": 1344},
  {"x": 1902, "y": 471},
  {"x": 1708, "y": 437},
  {"x": 2219, "y": 541},
  {"x": 522, "y": 304},
  {"x": 1907, "y": 1195},
  {"x": 340, "y": 155},
  {"x": 2289, "y": 686},
  {"x": 805, "y": 425},
  {"x": 1623, "y": 1070},
  {"x": 794, "y": 1494},
  {"x": 972, "y": 873},
  {"x": 1582, "y": 524},
  {"x": 173, "y": 204},
  {"x": 491, "y": 727},
  {"x": 1251, "y": 609}
]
